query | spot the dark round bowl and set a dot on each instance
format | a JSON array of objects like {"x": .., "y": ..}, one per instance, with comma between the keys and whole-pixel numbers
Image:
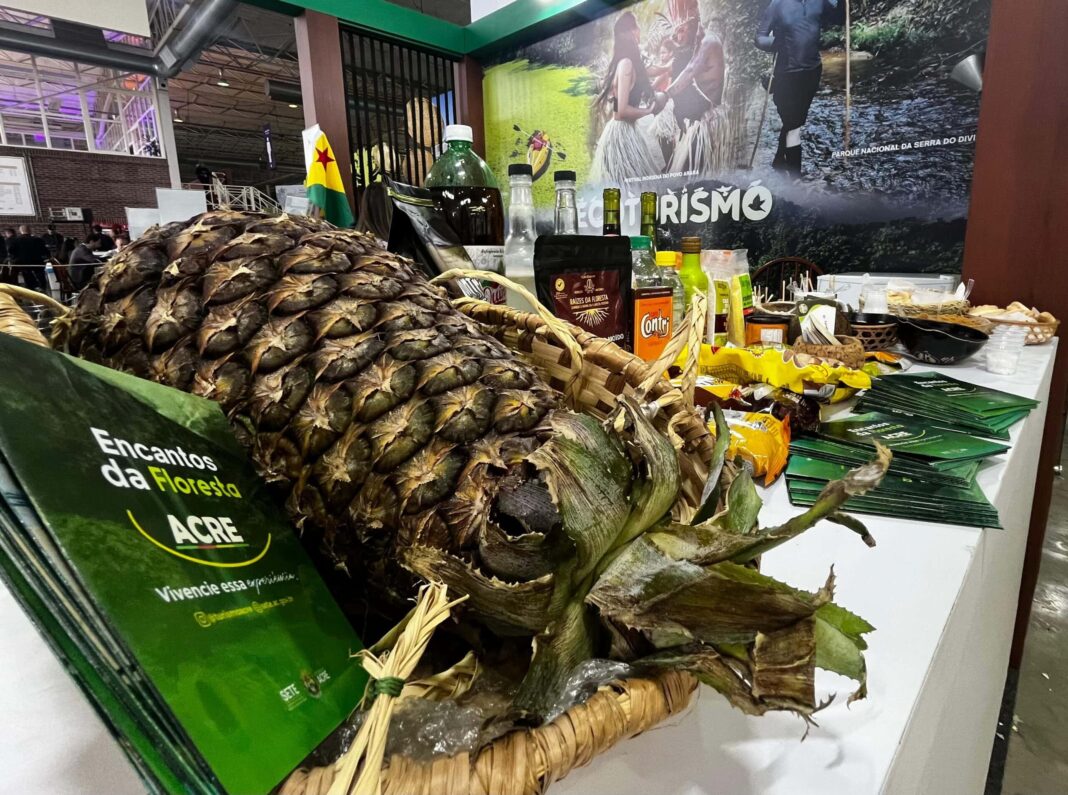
[
  {"x": 872, "y": 319},
  {"x": 935, "y": 342}
]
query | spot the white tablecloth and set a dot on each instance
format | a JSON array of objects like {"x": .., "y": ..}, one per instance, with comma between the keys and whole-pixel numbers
[
  {"x": 942, "y": 598},
  {"x": 943, "y": 601}
]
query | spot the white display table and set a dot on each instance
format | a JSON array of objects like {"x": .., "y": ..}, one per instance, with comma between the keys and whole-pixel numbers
[{"x": 942, "y": 599}]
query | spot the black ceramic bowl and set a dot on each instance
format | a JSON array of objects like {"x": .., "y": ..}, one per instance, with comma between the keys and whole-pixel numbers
[
  {"x": 935, "y": 342},
  {"x": 872, "y": 319}
]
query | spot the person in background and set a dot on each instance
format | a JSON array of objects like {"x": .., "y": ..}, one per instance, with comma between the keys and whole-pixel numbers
[
  {"x": 122, "y": 240},
  {"x": 7, "y": 275},
  {"x": 106, "y": 241},
  {"x": 376, "y": 211},
  {"x": 84, "y": 257},
  {"x": 699, "y": 72},
  {"x": 28, "y": 249},
  {"x": 622, "y": 153},
  {"x": 53, "y": 240},
  {"x": 791, "y": 29},
  {"x": 60, "y": 267}
]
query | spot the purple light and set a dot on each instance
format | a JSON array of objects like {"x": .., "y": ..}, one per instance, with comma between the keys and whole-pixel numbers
[{"x": 38, "y": 139}]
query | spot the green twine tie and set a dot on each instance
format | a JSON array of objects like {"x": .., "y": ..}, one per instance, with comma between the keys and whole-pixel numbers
[{"x": 386, "y": 686}]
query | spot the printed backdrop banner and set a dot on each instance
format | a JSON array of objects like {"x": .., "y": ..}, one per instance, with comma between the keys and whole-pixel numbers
[{"x": 760, "y": 123}]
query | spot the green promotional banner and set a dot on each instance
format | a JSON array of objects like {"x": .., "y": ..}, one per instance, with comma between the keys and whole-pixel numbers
[{"x": 159, "y": 532}]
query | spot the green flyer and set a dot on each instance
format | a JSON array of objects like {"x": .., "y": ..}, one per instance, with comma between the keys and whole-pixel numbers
[{"x": 158, "y": 526}]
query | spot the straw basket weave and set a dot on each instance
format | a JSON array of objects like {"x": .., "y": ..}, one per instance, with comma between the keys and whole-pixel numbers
[
  {"x": 592, "y": 373},
  {"x": 954, "y": 306},
  {"x": 14, "y": 320},
  {"x": 876, "y": 336},
  {"x": 526, "y": 762},
  {"x": 1038, "y": 332}
]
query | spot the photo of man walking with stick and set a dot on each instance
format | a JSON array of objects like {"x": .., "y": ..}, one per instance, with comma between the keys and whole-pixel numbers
[{"x": 791, "y": 30}]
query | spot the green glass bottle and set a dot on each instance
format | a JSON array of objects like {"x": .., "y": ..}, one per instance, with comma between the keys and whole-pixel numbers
[
  {"x": 649, "y": 216},
  {"x": 694, "y": 279},
  {"x": 611, "y": 226}
]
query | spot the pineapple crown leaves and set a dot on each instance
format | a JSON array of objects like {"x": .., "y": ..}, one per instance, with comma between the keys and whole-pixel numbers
[
  {"x": 683, "y": 588},
  {"x": 510, "y": 607},
  {"x": 752, "y": 638}
]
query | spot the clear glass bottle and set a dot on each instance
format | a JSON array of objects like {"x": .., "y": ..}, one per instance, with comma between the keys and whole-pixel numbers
[
  {"x": 519, "y": 245},
  {"x": 669, "y": 277},
  {"x": 565, "y": 221}
]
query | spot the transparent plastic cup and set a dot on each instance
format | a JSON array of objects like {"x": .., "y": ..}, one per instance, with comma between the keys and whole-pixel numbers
[{"x": 1004, "y": 349}]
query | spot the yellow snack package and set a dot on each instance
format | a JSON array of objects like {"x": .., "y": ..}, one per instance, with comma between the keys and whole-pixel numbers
[
  {"x": 784, "y": 368},
  {"x": 760, "y": 441}
]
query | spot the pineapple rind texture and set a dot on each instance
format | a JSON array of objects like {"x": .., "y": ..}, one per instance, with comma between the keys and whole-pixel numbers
[{"x": 386, "y": 418}]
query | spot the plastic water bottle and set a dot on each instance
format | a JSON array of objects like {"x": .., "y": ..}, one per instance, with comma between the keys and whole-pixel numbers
[
  {"x": 669, "y": 277},
  {"x": 519, "y": 245},
  {"x": 643, "y": 271}
]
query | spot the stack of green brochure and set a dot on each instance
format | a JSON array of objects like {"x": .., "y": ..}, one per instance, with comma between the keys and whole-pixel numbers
[
  {"x": 947, "y": 402},
  {"x": 914, "y": 498},
  {"x": 138, "y": 539},
  {"x": 932, "y": 475}
]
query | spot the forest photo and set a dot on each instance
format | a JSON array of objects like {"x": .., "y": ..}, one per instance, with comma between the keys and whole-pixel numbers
[{"x": 837, "y": 130}]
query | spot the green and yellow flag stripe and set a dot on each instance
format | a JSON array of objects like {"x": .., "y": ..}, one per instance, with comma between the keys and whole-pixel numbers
[{"x": 325, "y": 189}]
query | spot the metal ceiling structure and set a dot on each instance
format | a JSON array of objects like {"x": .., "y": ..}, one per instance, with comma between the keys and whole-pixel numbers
[
  {"x": 222, "y": 125},
  {"x": 218, "y": 101}
]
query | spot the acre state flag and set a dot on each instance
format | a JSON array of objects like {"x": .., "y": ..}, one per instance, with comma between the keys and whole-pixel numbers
[{"x": 325, "y": 189}]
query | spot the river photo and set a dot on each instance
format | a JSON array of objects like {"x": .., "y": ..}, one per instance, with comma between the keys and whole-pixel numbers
[{"x": 831, "y": 130}]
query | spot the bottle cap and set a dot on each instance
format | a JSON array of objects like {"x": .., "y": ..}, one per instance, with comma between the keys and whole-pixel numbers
[
  {"x": 563, "y": 176},
  {"x": 640, "y": 243},
  {"x": 458, "y": 132},
  {"x": 666, "y": 259},
  {"x": 691, "y": 245},
  {"x": 520, "y": 168}
]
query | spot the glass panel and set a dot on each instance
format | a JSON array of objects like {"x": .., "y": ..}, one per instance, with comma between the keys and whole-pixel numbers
[{"x": 119, "y": 108}]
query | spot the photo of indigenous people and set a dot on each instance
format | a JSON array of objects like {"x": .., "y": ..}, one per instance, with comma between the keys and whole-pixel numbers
[
  {"x": 622, "y": 153},
  {"x": 828, "y": 129}
]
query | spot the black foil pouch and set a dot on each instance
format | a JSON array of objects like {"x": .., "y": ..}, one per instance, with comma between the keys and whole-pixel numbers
[
  {"x": 585, "y": 280},
  {"x": 420, "y": 231}
]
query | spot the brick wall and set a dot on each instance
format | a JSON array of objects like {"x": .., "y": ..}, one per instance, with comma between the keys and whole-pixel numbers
[{"x": 105, "y": 183}]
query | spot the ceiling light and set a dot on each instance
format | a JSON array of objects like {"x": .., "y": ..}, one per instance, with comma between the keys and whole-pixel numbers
[
  {"x": 292, "y": 105},
  {"x": 222, "y": 80}
]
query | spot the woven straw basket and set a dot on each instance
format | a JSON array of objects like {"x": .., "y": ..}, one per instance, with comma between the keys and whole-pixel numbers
[
  {"x": 954, "y": 306},
  {"x": 592, "y": 373},
  {"x": 1038, "y": 333},
  {"x": 876, "y": 336}
]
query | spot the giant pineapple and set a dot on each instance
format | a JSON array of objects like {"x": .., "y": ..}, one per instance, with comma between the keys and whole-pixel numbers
[
  {"x": 386, "y": 417},
  {"x": 405, "y": 439}
]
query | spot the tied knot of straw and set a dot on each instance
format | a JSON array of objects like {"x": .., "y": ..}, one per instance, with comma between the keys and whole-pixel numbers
[
  {"x": 359, "y": 770},
  {"x": 386, "y": 686}
]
